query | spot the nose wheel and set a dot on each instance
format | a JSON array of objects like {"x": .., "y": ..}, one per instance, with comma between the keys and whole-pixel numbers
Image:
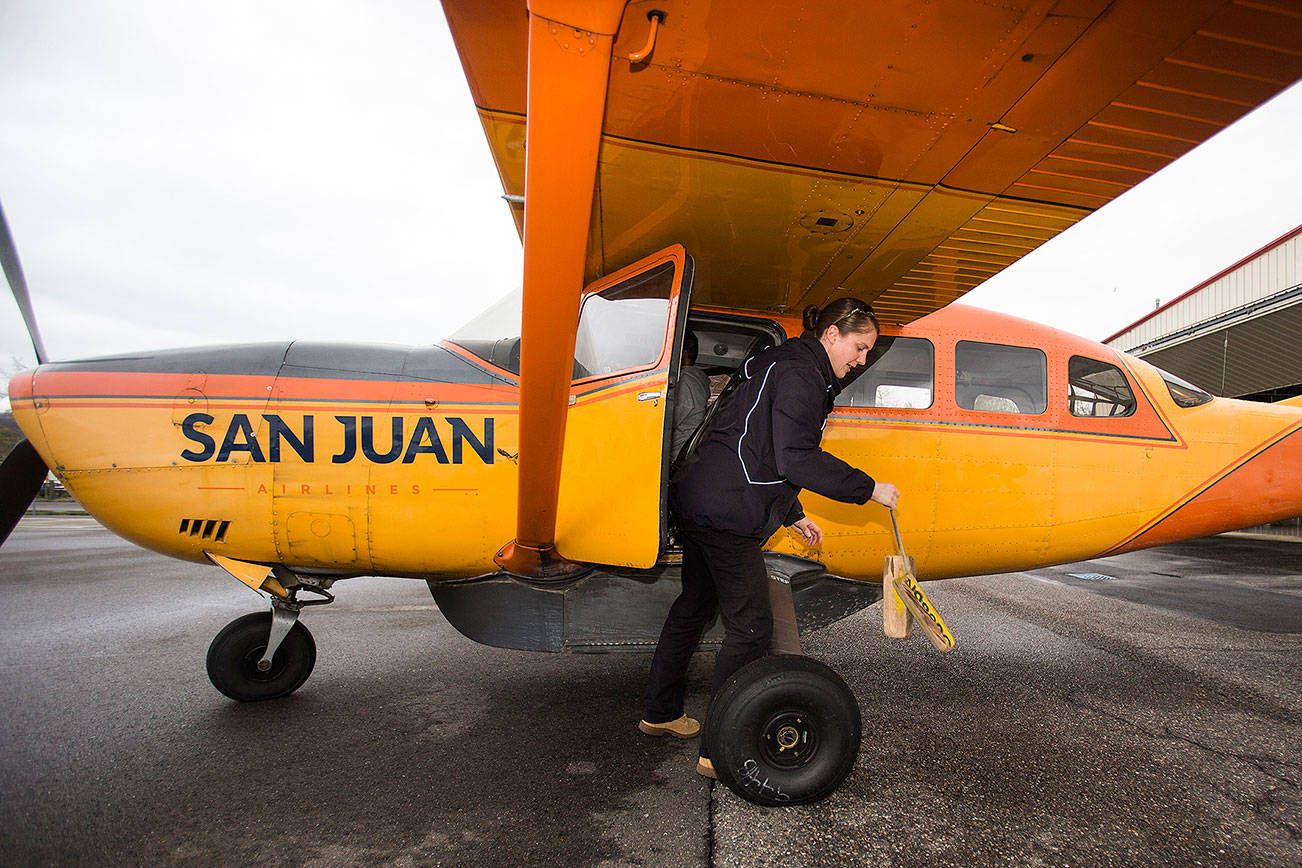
[{"x": 240, "y": 668}]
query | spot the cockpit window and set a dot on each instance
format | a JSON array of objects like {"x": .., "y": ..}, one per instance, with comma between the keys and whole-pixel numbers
[
  {"x": 623, "y": 328},
  {"x": 1096, "y": 388},
  {"x": 900, "y": 373},
  {"x": 1000, "y": 379},
  {"x": 1184, "y": 394}
]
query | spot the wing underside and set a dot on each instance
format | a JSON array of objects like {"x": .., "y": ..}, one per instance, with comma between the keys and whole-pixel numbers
[{"x": 901, "y": 152}]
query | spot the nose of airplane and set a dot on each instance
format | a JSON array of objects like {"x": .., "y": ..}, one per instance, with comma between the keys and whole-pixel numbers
[
  {"x": 20, "y": 401},
  {"x": 22, "y": 470}
]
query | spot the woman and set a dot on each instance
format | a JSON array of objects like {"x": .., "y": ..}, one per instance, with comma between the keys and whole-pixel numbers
[{"x": 741, "y": 485}]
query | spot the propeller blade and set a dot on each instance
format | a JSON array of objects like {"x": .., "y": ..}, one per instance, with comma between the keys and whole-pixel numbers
[
  {"x": 21, "y": 476},
  {"x": 14, "y": 273}
]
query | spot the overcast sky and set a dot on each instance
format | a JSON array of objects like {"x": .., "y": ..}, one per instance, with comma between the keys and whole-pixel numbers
[{"x": 191, "y": 173}]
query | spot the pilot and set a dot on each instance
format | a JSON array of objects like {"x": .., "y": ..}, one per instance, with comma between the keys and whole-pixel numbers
[
  {"x": 739, "y": 486},
  {"x": 691, "y": 396}
]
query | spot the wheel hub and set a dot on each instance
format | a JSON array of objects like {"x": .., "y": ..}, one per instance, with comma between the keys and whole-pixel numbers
[
  {"x": 789, "y": 739},
  {"x": 254, "y": 668}
]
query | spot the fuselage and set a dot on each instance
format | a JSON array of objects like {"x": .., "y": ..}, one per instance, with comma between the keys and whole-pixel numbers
[{"x": 371, "y": 459}]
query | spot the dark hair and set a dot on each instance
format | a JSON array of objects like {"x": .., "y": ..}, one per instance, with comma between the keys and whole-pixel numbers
[
  {"x": 847, "y": 314},
  {"x": 690, "y": 348}
]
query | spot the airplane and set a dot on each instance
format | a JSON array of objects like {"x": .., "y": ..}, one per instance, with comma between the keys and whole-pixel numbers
[{"x": 713, "y": 167}]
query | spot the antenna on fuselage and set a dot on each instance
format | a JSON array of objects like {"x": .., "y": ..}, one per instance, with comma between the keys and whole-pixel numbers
[{"x": 18, "y": 284}]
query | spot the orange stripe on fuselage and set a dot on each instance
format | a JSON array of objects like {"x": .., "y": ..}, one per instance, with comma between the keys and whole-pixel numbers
[
  {"x": 613, "y": 389},
  {"x": 307, "y": 389},
  {"x": 127, "y": 390},
  {"x": 123, "y": 384},
  {"x": 280, "y": 406},
  {"x": 262, "y": 388}
]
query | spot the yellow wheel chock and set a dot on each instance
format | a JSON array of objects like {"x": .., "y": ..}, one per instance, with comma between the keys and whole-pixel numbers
[{"x": 903, "y": 600}]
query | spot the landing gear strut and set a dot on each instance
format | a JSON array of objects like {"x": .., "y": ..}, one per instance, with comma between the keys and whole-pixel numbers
[
  {"x": 265, "y": 655},
  {"x": 784, "y": 729}
]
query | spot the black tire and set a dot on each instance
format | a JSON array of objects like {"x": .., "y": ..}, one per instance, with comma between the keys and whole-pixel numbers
[
  {"x": 233, "y": 659},
  {"x": 784, "y": 730}
]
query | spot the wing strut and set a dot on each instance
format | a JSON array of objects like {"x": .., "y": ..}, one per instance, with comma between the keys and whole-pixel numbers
[{"x": 570, "y": 43}]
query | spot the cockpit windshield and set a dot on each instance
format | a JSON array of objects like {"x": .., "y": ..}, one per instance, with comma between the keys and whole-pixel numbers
[{"x": 494, "y": 334}]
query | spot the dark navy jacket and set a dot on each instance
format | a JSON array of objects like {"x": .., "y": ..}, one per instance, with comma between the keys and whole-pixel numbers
[{"x": 763, "y": 447}]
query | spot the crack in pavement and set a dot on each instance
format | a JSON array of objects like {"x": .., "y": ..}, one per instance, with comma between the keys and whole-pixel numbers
[
  {"x": 1257, "y": 761},
  {"x": 709, "y": 824},
  {"x": 1237, "y": 696}
]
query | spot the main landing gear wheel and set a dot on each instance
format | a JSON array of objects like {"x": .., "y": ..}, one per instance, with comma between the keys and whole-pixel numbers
[
  {"x": 234, "y": 655},
  {"x": 784, "y": 730}
]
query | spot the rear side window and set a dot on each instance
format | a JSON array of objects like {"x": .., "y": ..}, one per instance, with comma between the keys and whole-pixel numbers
[
  {"x": 1000, "y": 379},
  {"x": 900, "y": 373},
  {"x": 1096, "y": 388},
  {"x": 1184, "y": 394}
]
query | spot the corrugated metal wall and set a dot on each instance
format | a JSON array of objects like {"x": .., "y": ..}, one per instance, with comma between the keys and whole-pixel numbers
[
  {"x": 1269, "y": 272},
  {"x": 1255, "y": 355}
]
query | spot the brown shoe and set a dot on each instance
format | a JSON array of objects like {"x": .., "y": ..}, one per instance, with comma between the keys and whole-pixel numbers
[
  {"x": 705, "y": 768},
  {"x": 683, "y": 727}
]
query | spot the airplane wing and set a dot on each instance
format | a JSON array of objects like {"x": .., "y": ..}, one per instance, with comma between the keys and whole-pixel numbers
[{"x": 897, "y": 151}]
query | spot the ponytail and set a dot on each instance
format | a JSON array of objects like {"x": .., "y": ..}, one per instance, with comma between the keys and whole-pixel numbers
[
  {"x": 810, "y": 319},
  {"x": 847, "y": 314}
]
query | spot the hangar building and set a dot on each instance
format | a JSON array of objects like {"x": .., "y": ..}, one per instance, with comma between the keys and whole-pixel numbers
[{"x": 1236, "y": 334}]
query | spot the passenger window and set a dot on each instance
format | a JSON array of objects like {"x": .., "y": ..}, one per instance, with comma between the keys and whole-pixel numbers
[
  {"x": 1000, "y": 379},
  {"x": 899, "y": 374},
  {"x": 623, "y": 328},
  {"x": 1097, "y": 388}
]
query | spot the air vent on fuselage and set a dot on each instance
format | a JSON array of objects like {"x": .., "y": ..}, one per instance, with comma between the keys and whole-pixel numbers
[{"x": 205, "y": 528}]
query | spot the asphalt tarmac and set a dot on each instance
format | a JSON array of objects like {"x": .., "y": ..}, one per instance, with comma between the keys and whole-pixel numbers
[{"x": 1148, "y": 713}]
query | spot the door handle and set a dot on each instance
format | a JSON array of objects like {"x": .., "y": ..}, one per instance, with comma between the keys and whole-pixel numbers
[{"x": 649, "y": 396}]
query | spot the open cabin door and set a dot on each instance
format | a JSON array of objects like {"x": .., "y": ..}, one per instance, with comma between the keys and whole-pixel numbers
[{"x": 613, "y": 504}]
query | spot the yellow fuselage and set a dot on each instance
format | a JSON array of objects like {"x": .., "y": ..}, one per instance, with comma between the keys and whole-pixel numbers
[{"x": 401, "y": 461}]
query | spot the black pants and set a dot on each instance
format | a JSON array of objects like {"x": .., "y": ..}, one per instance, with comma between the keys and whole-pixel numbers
[{"x": 722, "y": 572}]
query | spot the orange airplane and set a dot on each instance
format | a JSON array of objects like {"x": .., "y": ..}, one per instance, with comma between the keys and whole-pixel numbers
[{"x": 714, "y": 166}]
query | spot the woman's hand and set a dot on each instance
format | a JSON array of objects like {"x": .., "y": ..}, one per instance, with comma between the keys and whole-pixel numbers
[
  {"x": 886, "y": 494},
  {"x": 811, "y": 533}
]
